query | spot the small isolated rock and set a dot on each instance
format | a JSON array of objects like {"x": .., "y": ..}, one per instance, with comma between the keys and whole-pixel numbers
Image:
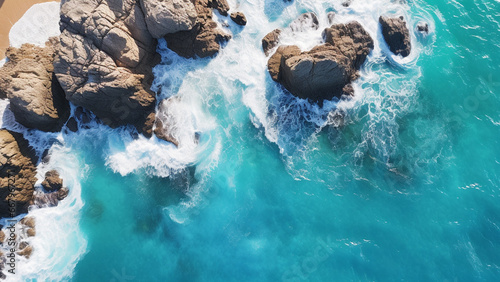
[
  {"x": 330, "y": 16},
  {"x": 271, "y": 40},
  {"x": 52, "y": 181},
  {"x": 239, "y": 18},
  {"x": 423, "y": 27},
  {"x": 347, "y": 3},
  {"x": 396, "y": 34},
  {"x": 305, "y": 22},
  {"x": 2, "y": 236}
]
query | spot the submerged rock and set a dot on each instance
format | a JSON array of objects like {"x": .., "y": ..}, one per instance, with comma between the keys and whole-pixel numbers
[
  {"x": 323, "y": 72},
  {"x": 396, "y": 34},
  {"x": 105, "y": 58},
  {"x": 163, "y": 128},
  {"x": 423, "y": 27},
  {"x": 205, "y": 38},
  {"x": 27, "y": 79},
  {"x": 270, "y": 41},
  {"x": 239, "y": 18},
  {"x": 330, "y": 16},
  {"x": 305, "y": 22},
  {"x": 17, "y": 174}
]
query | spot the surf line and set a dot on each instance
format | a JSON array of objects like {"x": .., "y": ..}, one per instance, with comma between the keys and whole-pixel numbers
[{"x": 11, "y": 257}]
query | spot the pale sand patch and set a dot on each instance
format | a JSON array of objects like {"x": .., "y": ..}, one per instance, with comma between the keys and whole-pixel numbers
[{"x": 10, "y": 12}]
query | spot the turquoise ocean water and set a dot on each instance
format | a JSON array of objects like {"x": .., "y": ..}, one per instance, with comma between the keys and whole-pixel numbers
[{"x": 404, "y": 186}]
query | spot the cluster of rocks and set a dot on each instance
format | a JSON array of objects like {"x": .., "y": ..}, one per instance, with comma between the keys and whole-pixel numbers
[
  {"x": 18, "y": 177},
  {"x": 327, "y": 70},
  {"x": 16, "y": 234}
]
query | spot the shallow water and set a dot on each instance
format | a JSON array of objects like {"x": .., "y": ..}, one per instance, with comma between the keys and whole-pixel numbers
[{"x": 406, "y": 189}]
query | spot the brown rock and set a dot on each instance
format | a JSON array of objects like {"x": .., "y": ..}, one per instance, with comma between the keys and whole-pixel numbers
[
  {"x": 270, "y": 41},
  {"x": 281, "y": 55},
  {"x": 31, "y": 232},
  {"x": 2, "y": 236},
  {"x": 28, "y": 221},
  {"x": 26, "y": 251},
  {"x": 42, "y": 200},
  {"x": 239, "y": 18},
  {"x": 17, "y": 174},
  {"x": 220, "y": 5},
  {"x": 396, "y": 34},
  {"x": 168, "y": 16},
  {"x": 27, "y": 79},
  {"x": 323, "y": 72},
  {"x": 148, "y": 125},
  {"x": 52, "y": 181},
  {"x": 205, "y": 38},
  {"x": 104, "y": 60}
]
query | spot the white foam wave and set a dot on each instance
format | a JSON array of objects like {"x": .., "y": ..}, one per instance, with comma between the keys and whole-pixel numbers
[
  {"x": 37, "y": 25},
  {"x": 59, "y": 243}
]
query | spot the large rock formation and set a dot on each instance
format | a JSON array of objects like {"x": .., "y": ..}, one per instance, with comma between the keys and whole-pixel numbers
[
  {"x": 105, "y": 59},
  {"x": 27, "y": 79},
  {"x": 326, "y": 70},
  {"x": 17, "y": 174},
  {"x": 396, "y": 34},
  {"x": 168, "y": 16},
  {"x": 205, "y": 38}
]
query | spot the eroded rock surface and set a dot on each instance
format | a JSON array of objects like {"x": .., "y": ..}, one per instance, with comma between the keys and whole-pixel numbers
[
  {"x": 105, "y": 59},
  {"x": 168, "y": 16},
  {"x": 205, "y": 38},
  {"x": 326, "y": 70},
  {"x": 270, "y": 41},
  {"x": 27, "y": 79},
  {"x": 17, "y": 174}
]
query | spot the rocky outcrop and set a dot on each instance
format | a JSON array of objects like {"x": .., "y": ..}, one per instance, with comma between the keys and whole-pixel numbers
[
  {"x": 239, "y": 18},
  {"x": 52, "y": 181},
  {"x": 270, "y": 41},
  {"x": 27, "y": 79},
  {"x": 105, "y": 58},
  {"x": 205, "y": 38},
  {"x": 55, "y": 192},
  {"x": 326, "y": 70},
  {"x": 396, "y": 34},
  {"x": 168, "y": 16},
  {"x": 17, "y": 174}
]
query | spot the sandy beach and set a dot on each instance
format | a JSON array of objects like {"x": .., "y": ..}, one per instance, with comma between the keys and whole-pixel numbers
[{"x": 10, "y": 12}]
